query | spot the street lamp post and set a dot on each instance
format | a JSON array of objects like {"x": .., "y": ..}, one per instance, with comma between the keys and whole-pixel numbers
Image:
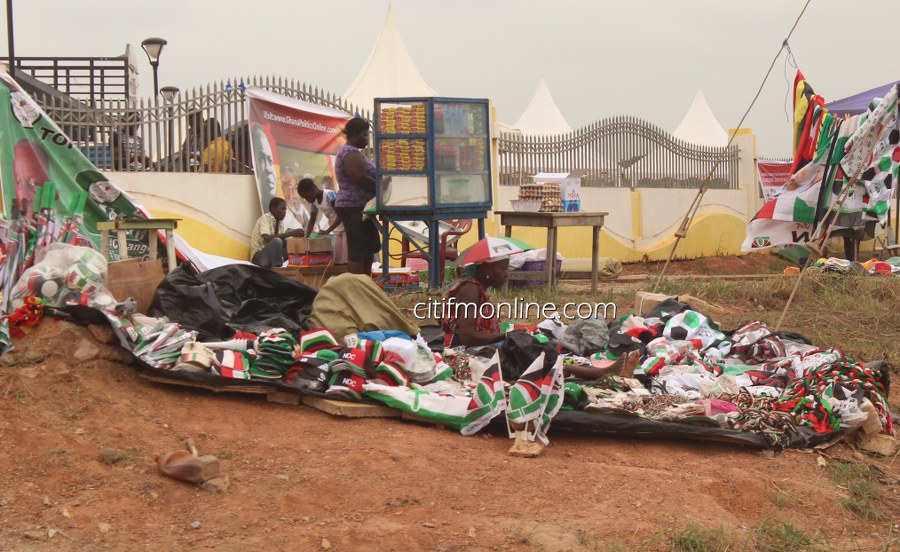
[
  {"x": 153, "y": 47},
  {"x": 168, "y": 94},
  {"x": 12, "y": 42}
]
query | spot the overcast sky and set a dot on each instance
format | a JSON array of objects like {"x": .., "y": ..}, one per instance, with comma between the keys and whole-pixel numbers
[{"x": 645, "y": 58}]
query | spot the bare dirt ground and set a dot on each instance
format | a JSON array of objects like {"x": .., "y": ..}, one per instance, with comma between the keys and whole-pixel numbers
[
  {"x": 752, "y": 263},
  {"x": 299, "y": 479}
]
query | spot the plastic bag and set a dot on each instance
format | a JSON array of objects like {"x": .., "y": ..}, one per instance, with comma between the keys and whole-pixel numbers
[
  {"x": 66, "y": 275},
  {"x": 418, "y": 361},
  {"x": 585, "y": 337}
]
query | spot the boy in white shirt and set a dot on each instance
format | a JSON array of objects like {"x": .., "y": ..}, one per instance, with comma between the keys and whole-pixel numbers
[{"x": 323, "y": 201}]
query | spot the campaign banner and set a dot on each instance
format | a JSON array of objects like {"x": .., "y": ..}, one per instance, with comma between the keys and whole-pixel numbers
[
  {"x": 291, "y": 139},
  {"x": 34, "y": 151},
  {"x": 772, "y": 176}
]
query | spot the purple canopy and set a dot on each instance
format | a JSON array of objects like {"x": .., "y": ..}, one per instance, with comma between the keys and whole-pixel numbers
[{"x": 858, "y": 103}]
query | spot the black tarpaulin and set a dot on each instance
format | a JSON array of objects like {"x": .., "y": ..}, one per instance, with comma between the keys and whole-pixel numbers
[
  {"x": 231, "y": 298},
  {"x": 602, "y": 423}
]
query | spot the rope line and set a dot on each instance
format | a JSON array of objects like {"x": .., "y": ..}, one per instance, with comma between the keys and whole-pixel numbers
[{"x": 704, "y": 186}]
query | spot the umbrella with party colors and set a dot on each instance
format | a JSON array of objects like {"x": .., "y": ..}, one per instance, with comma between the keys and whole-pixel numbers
[{"x": 492, "y": 247}]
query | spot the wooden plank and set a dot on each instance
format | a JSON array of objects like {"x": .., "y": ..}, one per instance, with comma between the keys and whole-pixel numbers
[
  {"x": 248, "y": 389},
  {"x": 350, "y": 409},
  {"x": 282, "y": 397}
]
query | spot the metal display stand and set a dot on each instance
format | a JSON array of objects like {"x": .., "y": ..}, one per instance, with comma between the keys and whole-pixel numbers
[{"x": 432, "y": 159}]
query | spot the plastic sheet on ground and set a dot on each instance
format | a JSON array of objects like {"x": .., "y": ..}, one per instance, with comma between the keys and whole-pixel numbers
[
  {"x": 231, "y": 298},
  {"x": 601, "y": 423}
]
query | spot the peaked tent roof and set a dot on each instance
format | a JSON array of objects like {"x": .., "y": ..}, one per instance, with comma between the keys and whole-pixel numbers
[
  {"x": 858, "y": 103},
  {"x": 700, "y": 126},
  {"x": 542, "y": 116},
  {"x": 389, "y": 71}
]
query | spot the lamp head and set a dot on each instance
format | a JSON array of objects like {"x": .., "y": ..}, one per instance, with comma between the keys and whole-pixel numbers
[
  {"x": 153, "y": 47},
  {"x": 169, "y": 92}
]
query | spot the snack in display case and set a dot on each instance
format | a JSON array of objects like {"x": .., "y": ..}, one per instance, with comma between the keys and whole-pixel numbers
[
  {"x": 460, "y": 154},
  {"x": 403, "y": 120},
  {"x": 402, "y": 154},
  {"x": 436, "y": 151}
]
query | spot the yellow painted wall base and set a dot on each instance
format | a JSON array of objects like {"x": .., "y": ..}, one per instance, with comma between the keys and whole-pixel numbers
[
  {"x": 709, "y": 235},
  {"x": 223, "y": 227},
  {"x": 207, "y": 238}
]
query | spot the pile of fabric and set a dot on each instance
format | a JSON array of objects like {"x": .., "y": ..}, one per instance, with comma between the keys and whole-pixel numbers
[
  {"x": 776, "y": 385},
  {"x": 872, "y": 267},
  {"x": 774, "y": 388}
]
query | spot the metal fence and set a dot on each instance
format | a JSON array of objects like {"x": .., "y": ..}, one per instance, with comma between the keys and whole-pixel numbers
[
  {"x": 617, "y": 152},
  {"x": 181, "y": 135},
  {"x": 88, "y": 79}
]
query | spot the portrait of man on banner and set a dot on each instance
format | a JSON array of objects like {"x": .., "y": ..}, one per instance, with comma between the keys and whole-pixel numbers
[
  {"x": 264, "y": 162},
  {"x": 291, "y": 140}
]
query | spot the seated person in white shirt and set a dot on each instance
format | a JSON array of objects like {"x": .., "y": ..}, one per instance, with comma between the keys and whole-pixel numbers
[
  {"x": 267, "y": 240},
  {"x": 322, "y": 201}
]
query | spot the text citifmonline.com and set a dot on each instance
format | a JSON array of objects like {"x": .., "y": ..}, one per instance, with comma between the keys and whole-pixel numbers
[{"x": 517, "y": 310}]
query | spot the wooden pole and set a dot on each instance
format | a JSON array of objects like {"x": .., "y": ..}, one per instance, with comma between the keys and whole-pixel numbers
[{"x": 845, "y": 192}]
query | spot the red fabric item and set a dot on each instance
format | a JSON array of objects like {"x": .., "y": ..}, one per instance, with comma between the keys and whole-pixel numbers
[{"x": 881, "y": 268}]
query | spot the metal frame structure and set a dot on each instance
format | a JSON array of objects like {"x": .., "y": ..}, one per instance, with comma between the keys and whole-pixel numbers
[
  {"x": 435, "y": 210},
  {"x": 89, "y": 79}
]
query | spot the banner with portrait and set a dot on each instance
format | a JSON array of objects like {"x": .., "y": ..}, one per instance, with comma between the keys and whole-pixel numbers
[
  {"x": 291, "y": 139},
  {"x": 34, "y": 152}
]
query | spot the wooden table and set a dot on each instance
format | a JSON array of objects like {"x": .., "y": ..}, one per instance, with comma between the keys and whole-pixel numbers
[
  {"x": 151, "y": 225},
  {"x": 552, "y": 221}
]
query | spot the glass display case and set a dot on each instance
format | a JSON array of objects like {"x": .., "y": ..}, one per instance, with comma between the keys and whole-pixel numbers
[{"x": 433, "y": 155}]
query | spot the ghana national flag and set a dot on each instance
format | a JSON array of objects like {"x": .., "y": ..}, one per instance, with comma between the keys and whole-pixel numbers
[{"x": 809, "y": 110}]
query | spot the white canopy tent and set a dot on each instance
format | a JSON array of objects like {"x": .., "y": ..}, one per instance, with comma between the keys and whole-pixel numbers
[
  {"x": 389, "y": 71},
  {"x": 542, "y": 116},
  {"x": 700, "y": 126}
]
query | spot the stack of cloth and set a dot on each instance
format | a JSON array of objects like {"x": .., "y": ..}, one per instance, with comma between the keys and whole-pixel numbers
[
  {"x": 275, "y": 354},
  {"x": 317, "y": 349}
]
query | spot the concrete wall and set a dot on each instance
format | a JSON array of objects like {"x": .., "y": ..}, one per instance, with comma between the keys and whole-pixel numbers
[{"x": 218, "y": 213}]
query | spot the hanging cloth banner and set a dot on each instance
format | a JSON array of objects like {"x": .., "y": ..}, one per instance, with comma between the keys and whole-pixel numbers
[
  {"x": 290, "y": 139},
  {"x": 772, "y": 176},
  {"x": 867, "y": 143}
]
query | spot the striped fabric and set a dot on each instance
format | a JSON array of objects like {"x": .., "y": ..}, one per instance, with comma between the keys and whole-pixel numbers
[{"x": 317, "y": 339}]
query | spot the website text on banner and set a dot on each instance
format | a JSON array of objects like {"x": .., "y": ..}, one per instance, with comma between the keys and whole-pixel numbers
[{"x": 291, "y": 139}]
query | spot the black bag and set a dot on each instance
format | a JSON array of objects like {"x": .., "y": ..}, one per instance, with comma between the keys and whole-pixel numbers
[
  {"x": 219, "y": 302},
  {"x": 519, "y": 351}
]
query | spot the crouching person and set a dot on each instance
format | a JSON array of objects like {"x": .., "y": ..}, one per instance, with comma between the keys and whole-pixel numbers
[{"x": 267, "y": 240}]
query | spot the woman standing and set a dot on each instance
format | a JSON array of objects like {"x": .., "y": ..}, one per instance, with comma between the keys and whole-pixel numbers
[{"x": 356, "y": 180}]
